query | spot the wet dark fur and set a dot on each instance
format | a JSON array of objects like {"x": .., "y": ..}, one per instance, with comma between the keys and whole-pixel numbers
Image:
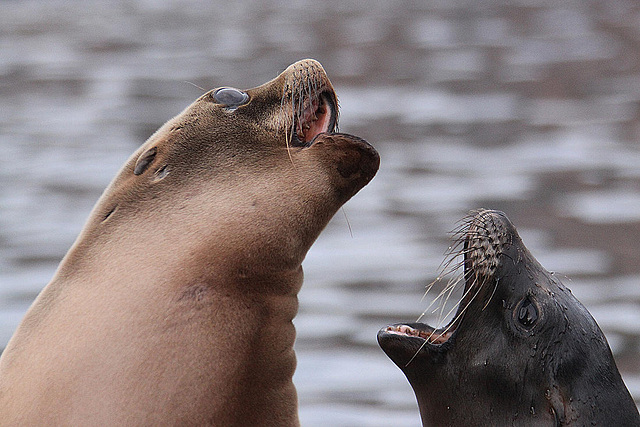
[{"x": 523, "y": 352}]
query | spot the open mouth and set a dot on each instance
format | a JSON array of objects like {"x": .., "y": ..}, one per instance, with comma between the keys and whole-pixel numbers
[
  {"x": 318, "y": 116},
  {"x": 481, "y": 241},
  {"x": 422, "y": 332},
  {"x": 422, "y": 335}
]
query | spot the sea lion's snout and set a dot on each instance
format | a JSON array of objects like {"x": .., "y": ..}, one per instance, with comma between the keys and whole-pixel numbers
[
  {"x": 309, "y": 99},
  {"x": 352, "y": 161},
  {"x": 308, "y": 117},
  {"x": 480, "y": 241}
]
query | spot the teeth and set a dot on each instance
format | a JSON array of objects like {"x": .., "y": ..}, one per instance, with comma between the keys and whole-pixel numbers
[
  {"x": 313, "y": 111},
  {"x": 406, "y": 330},
  {"x": 433, "y": 337}
]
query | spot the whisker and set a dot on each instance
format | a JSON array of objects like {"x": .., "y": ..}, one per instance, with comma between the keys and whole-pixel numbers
[
  {"x": 492, "y": 293},
  {"x": 466, "y": 238},
  {"x": 441, "y": 318},
  {"x": 416, "y": 353},
  {"x": 462, "y": 311},
  {"x": 193, "y": 84},
  {"x": 449, "y": 287},
  {"x": 347, "y": 219},
  {"x": 288, "y": 138},
  {"x": 453, "y": 322}
]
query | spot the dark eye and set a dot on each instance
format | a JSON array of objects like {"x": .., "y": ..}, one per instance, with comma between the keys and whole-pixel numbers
[
  {"x": 527, "y": 313},
  {"x": 229, "y": 96}
]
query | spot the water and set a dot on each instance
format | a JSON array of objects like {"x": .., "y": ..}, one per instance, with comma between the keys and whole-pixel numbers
[{"x": 528, "y": 107}]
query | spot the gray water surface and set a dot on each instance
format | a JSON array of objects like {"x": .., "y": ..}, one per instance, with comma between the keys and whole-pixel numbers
[{"x": 531, "y": 107}]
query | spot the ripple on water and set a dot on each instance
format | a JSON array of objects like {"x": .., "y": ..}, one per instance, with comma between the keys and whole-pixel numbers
[
  {"x": 349, "y": 379},
  {"x": 621, "y": 205}
]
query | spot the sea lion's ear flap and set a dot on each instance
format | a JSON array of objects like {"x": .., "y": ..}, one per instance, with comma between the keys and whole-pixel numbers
[{"x": 145, "y": 160}]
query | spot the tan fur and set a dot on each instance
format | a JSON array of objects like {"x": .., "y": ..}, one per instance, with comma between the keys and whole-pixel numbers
[{"x": 174, "y": 305}]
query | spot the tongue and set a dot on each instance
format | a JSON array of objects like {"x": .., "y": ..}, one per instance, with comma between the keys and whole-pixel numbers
[{"x": 314, "y": 121}]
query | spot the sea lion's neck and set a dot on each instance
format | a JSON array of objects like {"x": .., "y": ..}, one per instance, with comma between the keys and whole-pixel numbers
[
  {"x": 598, "y": 398},
  {"x": 233, "y": 350},
  {"x": 228, "y": 311}
]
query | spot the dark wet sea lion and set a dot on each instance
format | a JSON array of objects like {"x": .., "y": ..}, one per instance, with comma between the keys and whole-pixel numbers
[
  {"x": 521, "y": 351},
  {"x": 175, "y": 304}
]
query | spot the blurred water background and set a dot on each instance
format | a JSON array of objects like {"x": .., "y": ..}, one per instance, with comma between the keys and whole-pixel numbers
[{"x": 528, "y": 106}]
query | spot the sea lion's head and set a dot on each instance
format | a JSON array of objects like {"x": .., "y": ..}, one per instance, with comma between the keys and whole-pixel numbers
[
  {"x": 521, "y": 349},
  {"x": 266, "y": 160},
  {"x": 175, "y": 304}
]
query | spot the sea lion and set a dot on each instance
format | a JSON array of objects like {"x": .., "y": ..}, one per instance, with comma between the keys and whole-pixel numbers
[
  {"x": 175, "y": 304},
  {"x": 521, "y": 350}
]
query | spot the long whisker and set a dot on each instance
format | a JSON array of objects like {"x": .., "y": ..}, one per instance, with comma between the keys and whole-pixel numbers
[
  {"x": 453, "y": 322},
  {"x": 448, "y": 288},
  {"x": 444, "y": 304},
  {"x": 347, "y": 219},
  {"x": 462, "y": 311},
  {"x": 193, "y": 84},
  {"x": 465, "y": 239},
  {"x": 492, "y": 293},
  {"x": 288, "y": 137}
]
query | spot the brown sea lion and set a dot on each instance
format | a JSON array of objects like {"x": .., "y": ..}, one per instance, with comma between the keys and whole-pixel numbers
[
  {"x": 175, "y": 304},
  {"x": 521, "y": 350}
]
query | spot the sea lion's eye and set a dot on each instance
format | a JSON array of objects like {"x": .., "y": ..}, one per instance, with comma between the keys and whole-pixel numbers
[
  {"x": 527, "y": 313},
  {"x": 230, "y": 96}
]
